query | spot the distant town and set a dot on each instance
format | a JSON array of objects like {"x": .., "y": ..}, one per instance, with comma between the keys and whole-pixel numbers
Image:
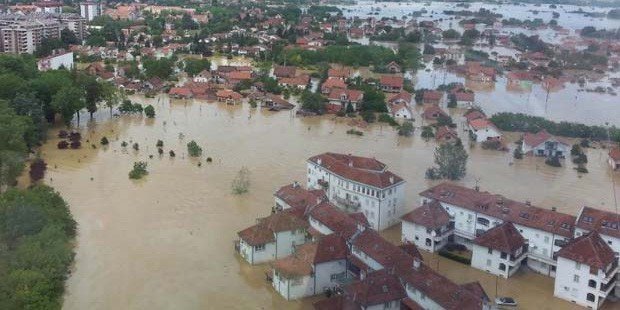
[{"x": 528, "y": 85}]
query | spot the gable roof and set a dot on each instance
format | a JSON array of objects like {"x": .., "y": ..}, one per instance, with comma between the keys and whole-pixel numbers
[
  {"x": 535, "y": 139},
  {"x": 298, "y": 197},
  {"x": 604, "y": 222},
  {"x": 502, "y": 208},
  {"x": 430, "y": 215},
  {"x": 364, "y": 170},
  {"x": 391, "y": 81},
  {"x": 482, "y": 123},
  {"x": 336, "y": 220},
  {"x": 589, "y": 249},
  {"x": 284, "y": 71},
  {"x": 504, "y": 237},
  {"x": 329, "y": 248},
  {"x": 376, "y": 288},
  {"x": 614, "y": 153}
]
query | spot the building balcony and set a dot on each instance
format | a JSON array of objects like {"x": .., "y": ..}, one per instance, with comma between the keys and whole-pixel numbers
[
  {"x": 350, "y": 205},
  {"x": 611, "y": 274},
  {"x": 606, "y": 288}
]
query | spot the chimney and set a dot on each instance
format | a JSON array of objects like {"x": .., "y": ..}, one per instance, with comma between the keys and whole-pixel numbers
[
  {"x": 553, "y": 209},
  {"x": 295, "y": 184},
  {"x": 318, "y": 161},
  {"x": 360, "y": 227},
  {"x": 528, "y": 203},
  {"x": 350, "y": 163},
  {"x": 416, "y": 263},
  {"x": 391, "y": 180}
]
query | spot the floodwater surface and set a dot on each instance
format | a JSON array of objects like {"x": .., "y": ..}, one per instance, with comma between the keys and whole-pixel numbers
[{"x": 166, "y": 241}]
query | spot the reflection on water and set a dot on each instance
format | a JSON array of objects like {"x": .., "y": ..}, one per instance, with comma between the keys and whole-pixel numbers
[{"x": 167, "y": 241}]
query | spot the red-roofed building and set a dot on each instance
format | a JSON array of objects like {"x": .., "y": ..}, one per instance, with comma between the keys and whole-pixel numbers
[
  {"x": 312, "y": 269},
  {"x": 483, "y": 129},
  {"x": 543, "y": 143},
  {"x": 340, "y": 98},
  {"x": 433, "y": 112},
  {"x": 228, "y": 96},
  {"x": 445, "y": 134},
  {"x": 587, "y": 270},
  {"x": 428, "y": 227},
  {"x": 359, "y": 184},
  {"x": 180, "y": 93},
  {"x": 432, "y": 97},
  {"x": 284, "y": 71},
  {"x": 272, "y": 237},
  {"x": 332, "y": 83},
  {"x": 342, "y": 73},
  {"x": 300, "y": 81},
  {"x": 391, "y": 84},
  {"x": 500, "y": 250},
  {"x": 464, "y": 99}
]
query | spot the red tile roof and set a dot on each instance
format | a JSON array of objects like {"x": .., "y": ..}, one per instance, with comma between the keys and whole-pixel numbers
[
  {"x": 504, "y": 237},
  {"x": 376, "y": 288},
  {"x": 264, "y": 231},
  {"x": 430, "y": 215},
  {"x": 382, "y": 251},
  {"x": 464, "y": 96},
  {"x": 604, "y": 222},
  {"x": 300, "y": 198},
  {"x": 335, "y": 219},
  {"x": 408, "y": 303},
  {"x": 502, "y": 208},
  {"x": 440, "y": 289},
  {"x": 402, "y": 96},
  {"x": 391, "y": 81},
  {"x": 446, "y": 133},
  {"x": 284, "y": 71},
  {"x": 473, "y": 114},
  {"x": 432, "y": 95},
  {"x": 350, "y": 94},
  {"x": 339, "y": 73},
  {"x": 328, "y": 248},
  {"x": 481, "y": 123},
  {"x": 535, "y": 139},
  {"x": 180, "y": 91},
  {"x": 614, "y": 153},
  {"x": 360, "y": 169},
  {"x": 296, "y": 80},
  {"x": 334, "y": 83},
  {"x": 432, "y": 112},
  {"x": 589, "y": 249}
]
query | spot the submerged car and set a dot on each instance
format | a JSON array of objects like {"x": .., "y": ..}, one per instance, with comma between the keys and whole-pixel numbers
[{"x": 505, "y": 301}]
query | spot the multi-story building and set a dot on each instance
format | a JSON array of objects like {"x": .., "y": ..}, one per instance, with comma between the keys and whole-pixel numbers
[
  {"x": 56, "y": 61},
  {"x": 499, "y": 251},
  {"x": 359, "y": 184},
  {"x": 23, "y": 33},
  {"x": 587, "y": 271},
  {"x": 89, "y": 10},
  {"x": 474, "y": 212},
  {"x": 429, "y": 227}
]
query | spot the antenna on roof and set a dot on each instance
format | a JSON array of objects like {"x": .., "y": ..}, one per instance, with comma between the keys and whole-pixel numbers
[{"x": 477, "y": 187}]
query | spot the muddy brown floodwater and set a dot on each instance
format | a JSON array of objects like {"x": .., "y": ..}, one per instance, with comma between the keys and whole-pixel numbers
[{"x": 166, "y": 242}]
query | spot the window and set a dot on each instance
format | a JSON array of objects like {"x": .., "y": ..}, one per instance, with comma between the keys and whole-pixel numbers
[
  {"x": 387, "y": 305},
  {"x": 490, "y": 251},
  {"x": 546, "y": 239},
  {"x": 502, "y": 267},
  {"x": 576, "y": 278},
  {"x": 590, "y": 297},
  {"x": 592, "y": 283},
  {"x": 260, "y": 247},
  {"x": 488, "y": 262},
  {"x": 295, "y": 281},
  {"x": 577, "y": 266},
  {"x": 504, "y": 255},
  {"x": 483, "y": 221}
]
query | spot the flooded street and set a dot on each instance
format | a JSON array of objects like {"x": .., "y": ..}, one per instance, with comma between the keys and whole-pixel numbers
[{"x": 166, "y": 242}]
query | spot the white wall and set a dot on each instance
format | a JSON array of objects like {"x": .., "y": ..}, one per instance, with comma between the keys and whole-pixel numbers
[
  {"x": 257, "y": 257},
  {"x": 366, "y": 259},
  {"x": 486, "y": 133},
  {"x": 420, "y": 298},
  {"x": 292, "y": 289},
  {"x": 286, "y": 240},
  {"x": 325, "y": 271},
  {"x": 566, "y": 288}
]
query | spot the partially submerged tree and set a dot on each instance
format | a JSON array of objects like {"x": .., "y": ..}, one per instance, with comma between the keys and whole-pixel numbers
[
  {"x": 241, "y": 183},
  {"x": 451, "y": 161}
]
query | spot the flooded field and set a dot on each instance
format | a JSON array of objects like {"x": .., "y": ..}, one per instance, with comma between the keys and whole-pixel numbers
[{"x": 166, "y": 242}]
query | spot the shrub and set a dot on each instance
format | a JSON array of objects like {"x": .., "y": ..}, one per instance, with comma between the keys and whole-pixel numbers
[
  {"x": 368, "y": 116},
  {"x": 553, "y": 161},
  {"x": 37, "y": 169},
  {"x": 194, "y": 149},
  {"x": 160, "y": 151},
  {"x": 432, "y": 174},
  {"x": 241, "y": 183},
  {"x": 455, "y": 257},
  {"x": 584, "y": 143},
  {"x": 406, "y": 129},
  {"x": 149, "y": 111},
  {"x": 491, "y": 145},
  {"x": 581, "y": 169},
  {"x": 136, "y": 146},
  {"x": 386, "y": 118},
  {"x": 517, "y": 154},
  {"x": 427, "y": 132},
  {"x": 580, "y": 159},
  {"x": 159, "y": 143},
  {"x": 171, "y": 153},
  {"x": 137, "y": 108},
  {"x": 63, "y": 134},
  {"x": 576, "y": 150},
  {"x": 355, "y": 132},
  {"x": 104, "y": 141},
  {"x": 124, "y": 144},
  {"x": 76, "y": 144},
  {"x": 138, "y": 171},
  {"x": 62, "y": 144},
  {"x": 75, "y": 136},
  {"x": 209, "y": 159}
]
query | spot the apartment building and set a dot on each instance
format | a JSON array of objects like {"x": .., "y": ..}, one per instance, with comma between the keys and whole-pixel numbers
[
  {"x": 89, "y": 10},
  {"x": 359, "y": 184},
  {"x": 23, "y": 33}
]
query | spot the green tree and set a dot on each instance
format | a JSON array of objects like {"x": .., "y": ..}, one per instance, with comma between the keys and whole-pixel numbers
[
  {"x": 195, "y": 66},
  {"x": 10, "y": 85},
  {"x": 451, "y": 160},
  {"x": 149, "y": 111},
  {"x": 161, "y": 68},
  {"x": 69, "y": 101},
  {"x": 313, "y": 102}
]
